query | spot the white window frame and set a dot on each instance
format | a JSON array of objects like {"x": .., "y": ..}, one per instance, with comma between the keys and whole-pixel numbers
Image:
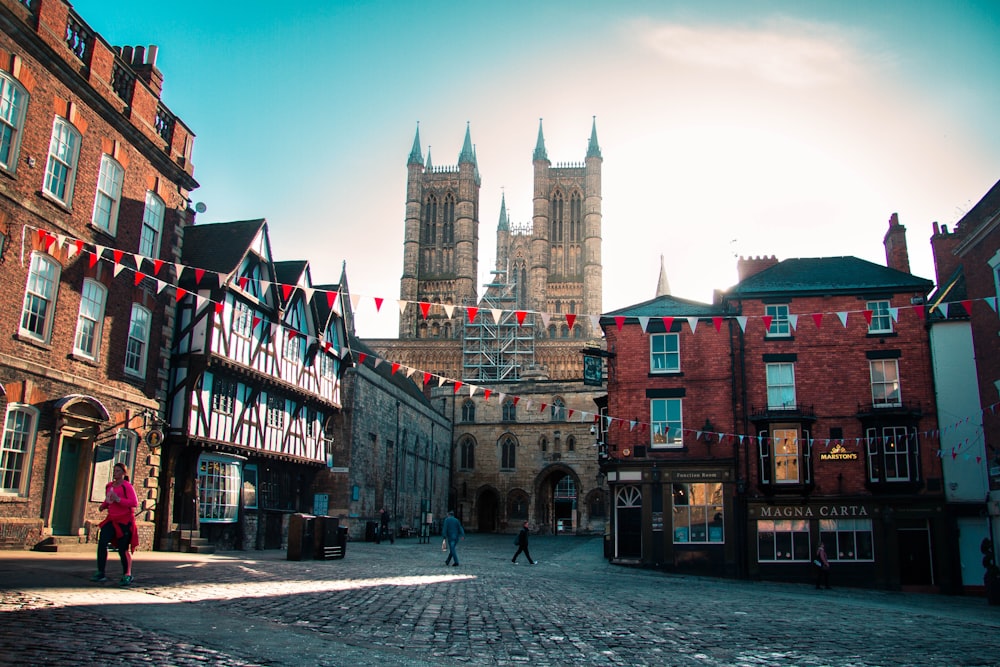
[
  {"x": 242, "y": 318},
  {"x": 60, "y": 169},
  {"x": 13, "y": 105},
  {"x": 893, "y": 446},
  {"x": 275, "y": 411},
  {"x": 17, "y": 448},
  {"x": 666, "y": 422},
  {"x": 223, "y": 395},
  {"x": 786, "y": 456},
  {"x": 665, "y": 353},
  {"x": 842, "y": 538},
  {"x": 90, "y": 320},
  {"x": 126, "y": 441},
  {"x": 137, "y": 347},
  {"x": 152, "y": 225},
  {"x": 328, "y": 365},
  {"x": 781, "y": 326},
  {"x": 699, "y": 520},
  {"x": 797, "y": 531},
  {"x": 886, "y": 390},
  {"x": 220, "y": 480},
  {"x": 109, "y": 195},
  {"x": 40, "y": 293},
  {"x": 779, "y": 387},
  {"x": 881, "y": 318}
]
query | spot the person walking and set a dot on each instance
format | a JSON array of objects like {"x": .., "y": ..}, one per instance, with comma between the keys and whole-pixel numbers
[
  {"x": 453, "y": 532},
  {"x": 822, "y": 568},
  {"x": 118, "y": 527},
  {"x": 522, "y": 545}
]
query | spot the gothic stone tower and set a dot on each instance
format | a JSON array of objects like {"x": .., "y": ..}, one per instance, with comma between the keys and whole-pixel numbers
[
  {"x": 563, "y": 262},
  {"x": 441, "y": 246}
]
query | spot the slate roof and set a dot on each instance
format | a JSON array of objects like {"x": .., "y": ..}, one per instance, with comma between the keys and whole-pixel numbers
[
  {"x": 219, "y": 246},
  {"x": 665, "y": 306},
  {"x": 985, "y": 209},
  {"x": 827, "y": 275}
]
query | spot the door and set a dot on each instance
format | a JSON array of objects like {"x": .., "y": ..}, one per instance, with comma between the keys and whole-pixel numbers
[
  {"x": 64, "y": 503},
  {"x": 487, "y": 512},
  {"x": 628, "y": 522},
  {"x": 915, "y": 557}
]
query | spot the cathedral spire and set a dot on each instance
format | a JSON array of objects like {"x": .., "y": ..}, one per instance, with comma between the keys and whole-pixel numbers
[
  {"x": 593, "y": 150},
  {"x": 540, "y": 153},
  {"x": 504, "y": 224},
  {"x": 415, "y": 157},
  {"x": 662, "y": 286},
  {"x": 428, "y": 165},
  {"x": 467, "y": 154}
]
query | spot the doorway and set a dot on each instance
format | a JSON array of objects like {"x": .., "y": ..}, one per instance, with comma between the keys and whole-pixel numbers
[
  {"x": 628, "y": 523},
  {"x": 67, "y": 485},
  {"x": 487, "y": 514},
  {"x": 915, "y": 557}
]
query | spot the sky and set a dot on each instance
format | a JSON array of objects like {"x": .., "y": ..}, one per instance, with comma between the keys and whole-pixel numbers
[{"x": 741, "y": 128}]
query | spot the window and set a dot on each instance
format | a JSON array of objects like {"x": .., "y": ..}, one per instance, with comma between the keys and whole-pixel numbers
[
  {"x": 469, "y": 411},
  {"x": 17, "y": 448},
  {"x": 508, "y": 459},
  {"x": 250, "y": 487},
  {"x": 13, "y": 102},
  {"x": 223, "y": 395},
  {"x": 328, "y": 365},
  {"x": 467, "y": 454},
  {"x": 664, "y": 353},
  {"x": 667, "y": 426},
  {"x": 60, "y": 171},
  {"x": 125, "y": 444},
  {"x": 781, "y": 386},
  {"x": 786, "y": 456},
  {"x": 90, "y": 321},
  {"x": 697, "y": 513},
  {"x": 881, "y": 319},
  {"x": 219, "y": 486},
  {"x": 783, "y": 540},
  {"x": 152, "y": 226},
  {"x": 517, "y": 507},
  {"x": 847, "y": 539},
  {"x": 138, "y": 341},
  {"x": 295, "y": 324},
  {"x": 312, "y": 421},
  {"x": 885, "y": 382},
  {"x": 509, "y": 411},
  {"x": 892, "y": 454},
  {"x": 780, "y": 324},
  {"x": 570, "y": 444},
  {"x": 558, "y": 410},
  {"x": 40, "y": 297},
  {"x": 242, "y": 319},
  {"x": 275, "y": 412},
  {"x": 109, "y": 194}
]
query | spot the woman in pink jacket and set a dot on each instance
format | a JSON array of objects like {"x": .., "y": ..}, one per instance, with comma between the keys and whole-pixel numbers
[{"x": 119, "y": 526}]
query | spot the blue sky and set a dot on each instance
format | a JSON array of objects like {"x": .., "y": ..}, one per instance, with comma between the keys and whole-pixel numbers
[{"x": 727, "y": 128}]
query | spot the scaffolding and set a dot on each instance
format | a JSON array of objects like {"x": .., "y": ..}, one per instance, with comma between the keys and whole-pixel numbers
[{"x": 498, "y": 351}]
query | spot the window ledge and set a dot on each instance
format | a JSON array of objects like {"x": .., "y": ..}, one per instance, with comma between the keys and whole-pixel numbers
[
  {"x": 58, "y": 203},
  {"x": 12, "y": 498},
  {"x": 24, "y": 338},
  {"x": 76, "y": 356}
]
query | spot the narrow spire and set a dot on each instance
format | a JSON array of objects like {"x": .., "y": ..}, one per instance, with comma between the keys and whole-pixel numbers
[
  {"x": 504, "y": 224},
  {"x": 428, "y": 165},
  {"x": 467, "y": 154},
  {"x": 662, "y": 286},
  {"x": 415, "y": 156},
  {"x": 540, "y": 153},
  {"x": 593, "y": 150}
]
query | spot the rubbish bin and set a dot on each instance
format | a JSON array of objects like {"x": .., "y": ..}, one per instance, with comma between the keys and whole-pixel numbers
[
  {"x": 300, "y": 536},
  {"x": 371, "y": 531},
  {"x": 328, "y": 543}
]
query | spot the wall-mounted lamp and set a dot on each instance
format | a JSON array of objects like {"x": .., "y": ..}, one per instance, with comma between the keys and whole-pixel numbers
[{"x": 707, "y": 432}]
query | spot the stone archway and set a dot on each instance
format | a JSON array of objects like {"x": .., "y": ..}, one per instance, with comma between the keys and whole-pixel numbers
[{"x": 556, "y": 500}]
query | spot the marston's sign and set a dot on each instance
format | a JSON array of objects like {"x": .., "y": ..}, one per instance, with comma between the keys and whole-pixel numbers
[{"x": 838, "y": 453}]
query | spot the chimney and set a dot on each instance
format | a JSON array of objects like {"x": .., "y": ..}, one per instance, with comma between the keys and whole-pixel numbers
[
  {"x": 143, "y": 63},
  {"x": 943, "y": 248},
  {"x": 751, "y": 266},
  {"x": 896, "y": 255}
]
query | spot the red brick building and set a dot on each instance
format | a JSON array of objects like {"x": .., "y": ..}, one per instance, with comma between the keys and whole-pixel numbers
[
  {"x": 796, "y": 409},
  {"x": 94, "y": 177}
]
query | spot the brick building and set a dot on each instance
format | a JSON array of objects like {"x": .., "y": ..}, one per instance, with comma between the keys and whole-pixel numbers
[
  {"x": 94, "y": 176},
  {"x": 810, "y": 383}
]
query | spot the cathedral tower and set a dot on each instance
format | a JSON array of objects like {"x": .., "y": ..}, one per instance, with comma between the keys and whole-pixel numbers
[{"x": 441, "y": 243}]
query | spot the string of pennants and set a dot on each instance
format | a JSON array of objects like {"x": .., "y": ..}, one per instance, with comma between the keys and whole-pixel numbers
[
  {"x": 204, "y": 278},
  {"x": 96, "y": 253}
]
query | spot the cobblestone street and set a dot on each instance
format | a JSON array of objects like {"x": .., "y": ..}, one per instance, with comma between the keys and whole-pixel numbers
[{"x": 397, "y": 604}]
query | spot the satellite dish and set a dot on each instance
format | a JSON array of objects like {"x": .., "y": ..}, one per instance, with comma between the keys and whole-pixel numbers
[{"x": 200, "y": 207}]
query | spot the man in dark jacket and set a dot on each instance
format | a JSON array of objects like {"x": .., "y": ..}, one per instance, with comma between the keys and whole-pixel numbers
[
  {"x": 453, "y": 531},
  {"x": 522, "y": 545}
]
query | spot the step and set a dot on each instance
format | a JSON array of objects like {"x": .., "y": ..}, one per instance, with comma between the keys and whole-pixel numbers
[{"x": 63, "y": 543}]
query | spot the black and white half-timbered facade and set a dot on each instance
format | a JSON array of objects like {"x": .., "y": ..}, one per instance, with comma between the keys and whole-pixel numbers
[{"x": 255, "y": 384}]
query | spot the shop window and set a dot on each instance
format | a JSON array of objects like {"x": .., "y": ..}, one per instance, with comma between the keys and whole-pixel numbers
[
  {"x": 219, "y": 485},
  {"x": 698, "y": 513},
  {"x": 783, "y": 541},
  {"x": 847, "y": 539}
]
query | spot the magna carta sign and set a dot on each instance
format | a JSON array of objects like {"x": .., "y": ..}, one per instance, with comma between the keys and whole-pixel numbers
[{"x": 838, "y": 453}]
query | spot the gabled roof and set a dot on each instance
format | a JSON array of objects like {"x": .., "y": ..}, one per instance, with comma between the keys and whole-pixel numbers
[
  {"x": 665, "y": 306},
  {"x": 289, "y": 272},
  {"x": 219, "y": 246},
  {"x": 827, "y": 275},
  {"x": 985, "y": 209}
]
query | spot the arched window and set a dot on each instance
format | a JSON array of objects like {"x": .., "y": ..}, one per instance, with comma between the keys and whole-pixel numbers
[
  {"x": 570, "y": 444},
  {"x": 508, "y": 453},
  {"x": 509, "y": 411},
  {"x": 558, "y": 410},
  {"x": 40, "y": 297},
  {"x": 558, "y": 206},
  {"x": 467, "y": 454},
  {"x": 575, "y": 218},
  {"x": 448, "y": 231},
  {"x": 90, "y": 319},
  {"x": 469, "y": 411},
  {"x": 152, "y": 226},
  {"x": 60, "y": 170},
  {"x": 109, "y": 194},
  {"x": 543, "y": 444},
  {"x": 517, "y": 506},
  {"x": 137, "y": 346},
  {"x": 552, "y": 331},
  {"x": 17, "y": 447},
  {"x": 13, "y": 102}
]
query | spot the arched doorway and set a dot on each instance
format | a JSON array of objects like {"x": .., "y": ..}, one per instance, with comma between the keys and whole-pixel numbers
[
  {"x": 628, "y": 522},
  {"x": 487, "y": 511},
  {"x": 78, "y": 421},
  {"x": 556, "y": 504}
]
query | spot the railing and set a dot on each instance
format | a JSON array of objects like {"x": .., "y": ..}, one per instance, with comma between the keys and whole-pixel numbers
[
  {"x": 164, "y": 123},
  {"x": 123, "y": 81},
  {"x": 79, "y": 37},
  {"x": 30, "y": 4}
]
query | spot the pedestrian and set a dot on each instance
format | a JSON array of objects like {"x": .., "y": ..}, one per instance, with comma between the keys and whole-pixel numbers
[
  {"x": 822, "y": 568},
  {"x": 118, "y": 527},
  {"x": 384, "y": 530},
  {"x": 522, "y": 545},
  {"x": 453, "y": 532}
]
